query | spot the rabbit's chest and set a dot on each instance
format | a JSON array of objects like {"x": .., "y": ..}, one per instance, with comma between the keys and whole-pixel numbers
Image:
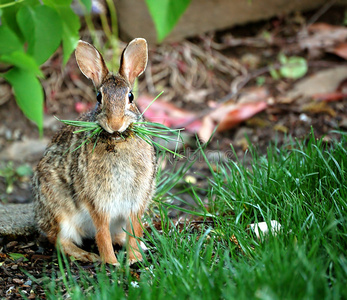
[{"x": 120, "y": 182}]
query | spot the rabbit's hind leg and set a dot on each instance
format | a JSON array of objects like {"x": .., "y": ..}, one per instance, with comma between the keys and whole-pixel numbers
[{"x": 69, "y": 248}]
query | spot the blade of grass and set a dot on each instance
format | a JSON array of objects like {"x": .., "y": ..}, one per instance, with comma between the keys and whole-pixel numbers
[{"x": 152, "y": 102}]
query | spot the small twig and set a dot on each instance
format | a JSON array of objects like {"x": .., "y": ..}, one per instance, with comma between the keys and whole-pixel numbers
[{"x": 320, "y": 12}]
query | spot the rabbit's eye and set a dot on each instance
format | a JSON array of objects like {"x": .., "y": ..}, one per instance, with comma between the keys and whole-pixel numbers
[
  {"x": 131, "y": 97},
  {"x": 99, "y": 97}
]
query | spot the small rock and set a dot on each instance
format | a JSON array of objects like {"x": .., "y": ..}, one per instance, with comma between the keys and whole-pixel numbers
[
  {"x": 16, "y": 134},
  {"x": 17, "y": 220},
  {"x": 28, "y": 283},
  {"x": 243, "y": 132},
  {"x": 305, "y": 118},
  {"x": 8, "y": 134},
  {"x": 11, "y": 244},
  {"x": 26, "y": 150},
  {"x": 14, "y": 267},
  {"x": 190, "y": 179},
  {"x": 50, "y": 122},
  {"x": 216, "y": 156},
  {"x": 343, "y": 123},
  {"x": 262, "y": 227}
]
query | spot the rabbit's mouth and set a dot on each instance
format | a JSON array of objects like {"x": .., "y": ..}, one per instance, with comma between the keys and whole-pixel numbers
[
  {"x": 108, "y": 128},
  {"x": 117, "y": 136}
]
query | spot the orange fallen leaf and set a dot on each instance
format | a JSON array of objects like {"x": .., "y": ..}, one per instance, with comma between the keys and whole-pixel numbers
[
  {"x": 323, "y": 37},
  {"x": 329, "y": 97},
  {"x": 340, "y": 50},
  {"x": 168, "y": 114},
  {"x": 226, "y": 116}
]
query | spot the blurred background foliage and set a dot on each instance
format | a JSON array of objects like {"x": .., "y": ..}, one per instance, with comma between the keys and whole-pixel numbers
[{"x": 31, "y": 31}]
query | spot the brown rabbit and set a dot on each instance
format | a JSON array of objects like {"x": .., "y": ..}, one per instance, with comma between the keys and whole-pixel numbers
[{"x": 98, "y": 193}]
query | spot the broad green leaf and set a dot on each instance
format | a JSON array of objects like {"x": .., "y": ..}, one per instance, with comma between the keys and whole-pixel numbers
[
  {"x": 24, "y": 171},
  {"x": 54, "y": 3},
  {"x": 71, "y": 26},
  {"x": 165, "y": 14},
  {"x": 293, "y": 67},
  {"x": 87, "y": 4},
  {"x": 23, "y": 61},
  {"x": 42, "y": 28},
  {"x": 9, "y": 42},
  {"x": 16, "y": 256},
  {"x": 8, "y": 14},
  {"x": 29, "y": 94}
]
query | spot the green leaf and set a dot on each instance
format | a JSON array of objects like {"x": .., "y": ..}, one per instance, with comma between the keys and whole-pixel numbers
[
  {"x": 23, "y": 61},
  {"x": 42, "y": 28},
  {"x": 9, "y": 42},
  {"x": 293, "y": 67},
  {"x": 8, "y": 14},
  {"x": 87, "y": 4},
  {"x": 24, "y": 171},
  {"x": 54, "y": 3},
  {"x": 29, "y": 94},
  {"x": 165, "y": 14},
  {"x": 71, "y": 26},
  {"x": 16, "y": 256},
  {"x": 274, "y": 74}
]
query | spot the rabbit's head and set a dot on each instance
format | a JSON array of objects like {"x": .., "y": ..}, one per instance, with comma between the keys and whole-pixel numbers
[{"x": 116, "y": 109}]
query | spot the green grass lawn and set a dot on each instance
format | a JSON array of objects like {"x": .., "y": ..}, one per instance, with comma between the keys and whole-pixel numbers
[{"x": 301, "y": 185}]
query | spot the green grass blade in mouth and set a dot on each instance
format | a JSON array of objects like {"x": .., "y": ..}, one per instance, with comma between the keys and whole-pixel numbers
[
  {"x": 152, "y": 102},
  {"x": 148, "y": 130},
  {"x": 144, "y": 130}
]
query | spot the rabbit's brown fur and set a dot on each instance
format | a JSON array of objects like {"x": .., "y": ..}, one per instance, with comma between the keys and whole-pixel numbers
[{"x": 98, "y": 193}]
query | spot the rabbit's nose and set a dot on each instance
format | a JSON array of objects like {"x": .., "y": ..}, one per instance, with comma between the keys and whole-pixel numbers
[{"x": 116, "y": 124}]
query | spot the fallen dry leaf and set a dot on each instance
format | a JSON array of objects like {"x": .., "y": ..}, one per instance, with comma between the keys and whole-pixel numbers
[
  {"x": 226, "y": 116},
  {"x": 318, "y": 107},
  {"x": 281, "y": 128},
  {"x": 340, "y": 50},
  {"x": 229, "y": 115},
  {"x": 322, "y": 37},
  {"x": 323, "y": 81},
  {"x": 168, "y": 114},
  {"x": 329, "y": 97}
]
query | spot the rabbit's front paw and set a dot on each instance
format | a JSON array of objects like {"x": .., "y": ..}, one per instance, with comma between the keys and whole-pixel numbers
[
  {"x": 134, "y": 256},
  {"x": 112, "y": 261}
]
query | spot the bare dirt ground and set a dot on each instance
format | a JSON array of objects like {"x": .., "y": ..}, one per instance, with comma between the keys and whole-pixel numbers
[{"x": 229, "y": 70}]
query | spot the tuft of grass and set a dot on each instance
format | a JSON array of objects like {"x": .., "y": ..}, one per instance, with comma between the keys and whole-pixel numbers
[
  {"x": 144, "y": 130},
  {"x": 302, "y": 185}
]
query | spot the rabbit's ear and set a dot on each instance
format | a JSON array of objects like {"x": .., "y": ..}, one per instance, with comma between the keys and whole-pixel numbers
[
  {"x": 134, "y": 60},
  {"x": 91, "y": 63}
]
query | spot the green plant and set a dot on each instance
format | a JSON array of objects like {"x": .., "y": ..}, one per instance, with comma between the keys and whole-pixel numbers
[
  {"x": 165, "y": 14},
  {"x": 30, "y": 33},
  {"x": 293, "y": 67},
  {"x": 12, "y": 174}
]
